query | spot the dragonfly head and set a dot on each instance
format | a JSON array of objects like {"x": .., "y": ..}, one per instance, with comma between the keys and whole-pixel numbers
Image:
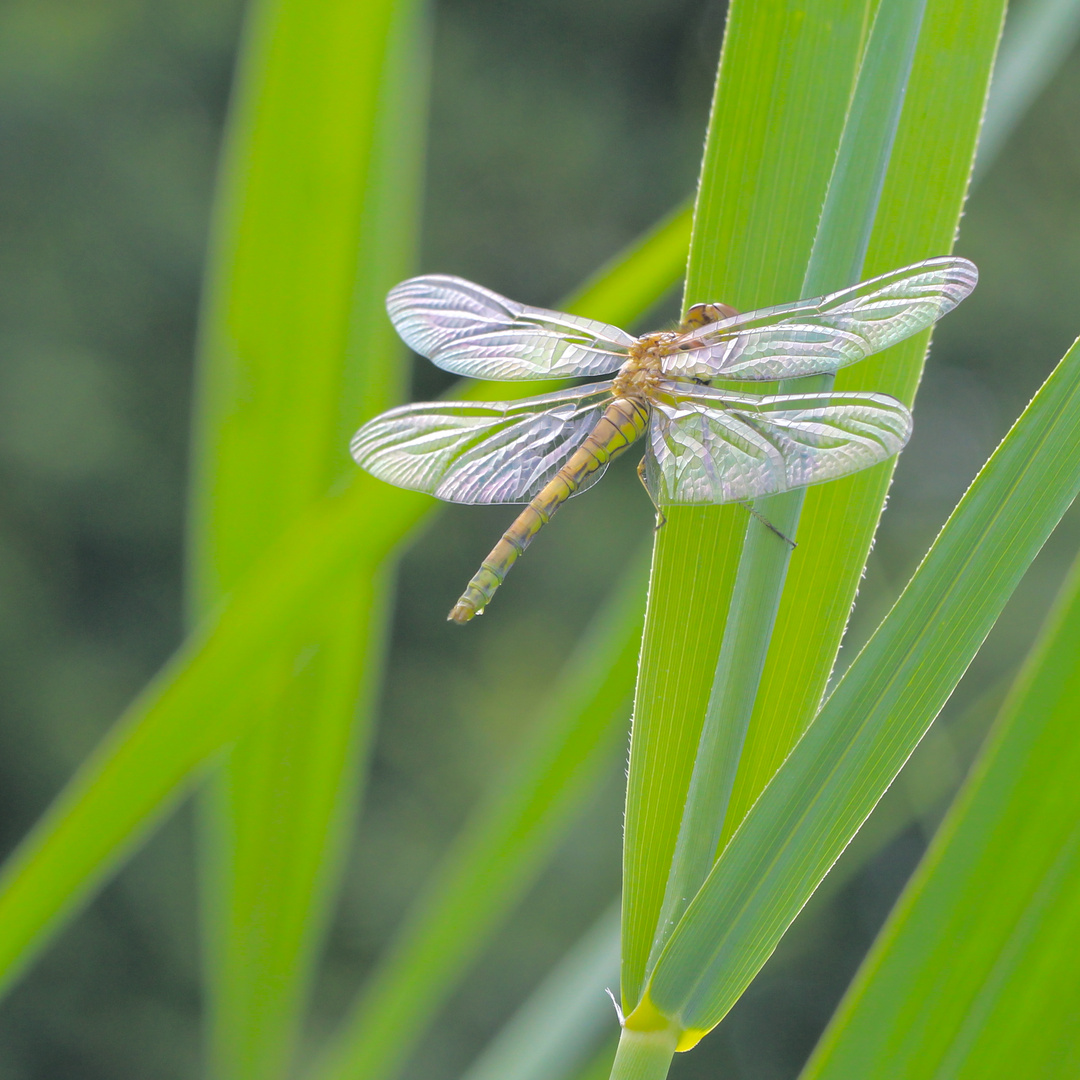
[{"x": 698, "y": 315}]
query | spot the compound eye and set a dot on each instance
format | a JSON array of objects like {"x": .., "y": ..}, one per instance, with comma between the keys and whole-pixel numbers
[{"x": 702, "y": 314}]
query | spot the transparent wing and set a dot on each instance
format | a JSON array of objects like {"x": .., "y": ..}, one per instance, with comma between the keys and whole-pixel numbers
[
  {"x": 480, "y": 452},
  {"x": 812, "y": 337},
  {"x": 467, "y": 329},
  {"x": 711, "y": 447}
]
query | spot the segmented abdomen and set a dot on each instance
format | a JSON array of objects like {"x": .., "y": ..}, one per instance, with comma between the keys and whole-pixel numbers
[{"x": 622, "y": 424}]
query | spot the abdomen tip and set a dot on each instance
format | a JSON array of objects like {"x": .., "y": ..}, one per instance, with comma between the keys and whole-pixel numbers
[{"x": 461, "y": 613}]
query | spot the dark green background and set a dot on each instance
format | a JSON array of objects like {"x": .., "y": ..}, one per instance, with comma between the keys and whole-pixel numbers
[{"x": 559, "y": 130}]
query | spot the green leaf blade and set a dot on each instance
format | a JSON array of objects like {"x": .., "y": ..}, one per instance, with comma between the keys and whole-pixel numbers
[
  {"x": 973, "y": 975},
  {"x": 878, "y": 712},
  {"x": 851, "y": 204},
  {"x": 314, "y": 222},
  {"x": 920, "y": 209},
  {"x": 785, "y": 79}
]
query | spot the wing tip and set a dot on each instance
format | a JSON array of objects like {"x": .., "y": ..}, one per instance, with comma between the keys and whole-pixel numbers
[
  {"x": 425, "y": 286},
  {"x": 961, "y": 272}
]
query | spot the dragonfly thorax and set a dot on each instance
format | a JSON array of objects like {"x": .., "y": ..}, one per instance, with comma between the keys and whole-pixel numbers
[{"x": 642, "y": 370}]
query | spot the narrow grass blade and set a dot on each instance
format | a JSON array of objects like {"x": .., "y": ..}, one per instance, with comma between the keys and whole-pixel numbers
[
  {"x": 315, "y": 220},
  {"x": 194, "y": 707},
  {"x": 922, "y": 791},
  {"x": 919, "y": 212},
  {"x": 876, "y": 715},
  {"x": 974, "y": 976},
  {"x": 501, "y": 849},
  {"x": 693, "y": 567},
  {"x": 866, "y": 146},
  {"x": 851, "y": 204},
  {"x": 1031, "y": 48},
  {"x": 786, "y": 76},
  {"x": 1038, "y": 54},
  {"x": 562, "y": 1022}
]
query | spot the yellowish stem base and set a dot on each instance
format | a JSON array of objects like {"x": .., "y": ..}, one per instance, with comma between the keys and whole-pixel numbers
[{"x": 644, "y": 1055}]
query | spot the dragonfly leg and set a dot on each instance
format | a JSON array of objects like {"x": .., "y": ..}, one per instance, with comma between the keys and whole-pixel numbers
[
  {"x": 661, "y": 517},
  {"x": 768, "y": 524}
]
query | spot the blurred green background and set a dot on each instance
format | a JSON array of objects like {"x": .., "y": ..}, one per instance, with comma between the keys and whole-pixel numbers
[{"x": 559, "y": 130}]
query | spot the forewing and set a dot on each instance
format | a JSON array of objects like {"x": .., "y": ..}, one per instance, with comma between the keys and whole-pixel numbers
[
  {"x": 709, "y": 447},
  {"x": 467, "y": 329},
  {"x": 480, "y": 452},
  {"x": 813, "y": 337}
]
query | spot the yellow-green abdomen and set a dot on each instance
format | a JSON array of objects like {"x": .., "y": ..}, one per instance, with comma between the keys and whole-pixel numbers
[{"x": 624, "y": 422}]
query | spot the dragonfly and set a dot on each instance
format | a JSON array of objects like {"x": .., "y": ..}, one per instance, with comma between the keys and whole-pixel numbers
[{"x": 705, "y": 442}]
